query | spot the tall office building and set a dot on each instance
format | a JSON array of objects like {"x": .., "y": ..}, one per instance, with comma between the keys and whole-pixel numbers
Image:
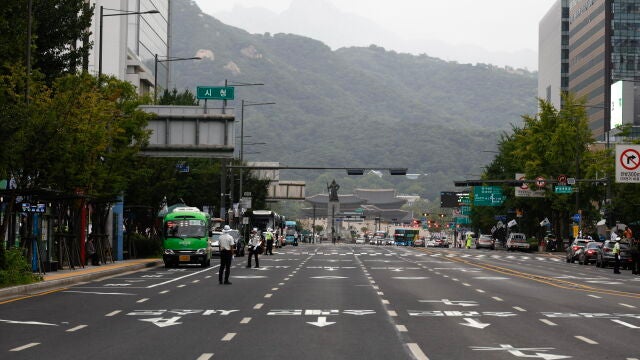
[
  {"x": 130, "y": 42},
  {"x": 603, "y": 48},
  {"x": 553, "y": 53}
]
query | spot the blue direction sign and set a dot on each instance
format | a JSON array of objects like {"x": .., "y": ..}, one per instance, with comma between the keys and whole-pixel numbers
[
  {"x": 215, "y": 92},
  {"x": 576, "y": 218}
]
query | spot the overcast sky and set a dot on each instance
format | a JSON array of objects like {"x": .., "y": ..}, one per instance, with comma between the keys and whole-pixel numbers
[{"x": 496, "y": 25}]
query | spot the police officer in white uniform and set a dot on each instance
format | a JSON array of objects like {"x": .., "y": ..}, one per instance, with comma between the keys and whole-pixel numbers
[{"x": 227, "y": 244}]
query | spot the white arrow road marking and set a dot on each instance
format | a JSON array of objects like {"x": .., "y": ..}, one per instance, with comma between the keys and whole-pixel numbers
[
  {"x": 328, "y": 277},
  {"x": 626, "y": 324},
  {"x": 162, "y": 322},
  {"x": 474, "y": 323},
  {"x": 322, "y": 322},
  {"x": 410, "y": 277},
  {"x": 249, "y": 277},
  {"x": 26, "y": 322}
]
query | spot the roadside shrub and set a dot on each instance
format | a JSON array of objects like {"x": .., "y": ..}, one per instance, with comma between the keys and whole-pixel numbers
[
  {"x": 146, "y": 247},
  {"x": 18, "y": 271},
  {"x": 533, "y": 244}
]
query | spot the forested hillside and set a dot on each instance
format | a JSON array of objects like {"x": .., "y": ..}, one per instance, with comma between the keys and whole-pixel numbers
[{"x": 355, "y": 106}]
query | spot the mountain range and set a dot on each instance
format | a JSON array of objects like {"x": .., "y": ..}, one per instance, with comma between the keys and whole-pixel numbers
[
  {"x": 354, "y": 106},
  {"x": 321, "y": 20}
]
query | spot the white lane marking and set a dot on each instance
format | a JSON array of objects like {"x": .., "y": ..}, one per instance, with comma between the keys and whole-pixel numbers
[
  {"x": 625, "y": 324},
  {"x": 207, "y": 277},
  {"x": 519, "y": 308},
  {"x": 228, "y": 337},
  {"x": 627, "y": 305},
  {"x": 392, "y": 313},
  {"x": 280, "y": 284},
  {"x": 20, "y": 348},
  {"x": 465, "y": 284},
  {"x": 116, "y": 312},
  {"x": 380, "y": 293},
  {"x": 417, "y": 352},
  {"x": 268, "y": 295},
  {"x": 245, "y": 320},
  {"x": 205, "y": 356},
  {"x": 274, "y": 289},
  {"x": 142, "y": 300},
  {"x": 497, "y": 298},
  {"x": 181, "y": 286},
  {"x": 548, "y": 322},
  {"x": 77, "y": 328},
  {"x": 401, "y": 328},
  {"x": 195, "y": 281},
  {"x": 595, "y": 296},
  {"x": 258, "y": 306},
  {"x": 385, "y": 301},
  {"x": 163, "y": 292},
  {"x": 587, "y": 340},
  {"x": 480, "y": 291},
  {"x": 181, "y": 277}
]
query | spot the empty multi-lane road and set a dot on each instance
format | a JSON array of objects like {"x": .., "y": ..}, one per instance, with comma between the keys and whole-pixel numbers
[{"x": 339, "y": 302}]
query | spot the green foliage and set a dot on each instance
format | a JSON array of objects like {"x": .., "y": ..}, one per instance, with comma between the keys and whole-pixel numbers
[
  {"x": 146, "y": 247},
  {"x": 173, "y": 97},
  {"x": 18, "y": 271}
]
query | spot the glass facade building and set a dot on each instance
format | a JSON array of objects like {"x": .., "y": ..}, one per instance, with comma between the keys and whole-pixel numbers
[{"x": 553, "y": 53}]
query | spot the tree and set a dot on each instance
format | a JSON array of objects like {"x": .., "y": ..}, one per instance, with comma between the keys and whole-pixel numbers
[{"x": 174, "y": 98}]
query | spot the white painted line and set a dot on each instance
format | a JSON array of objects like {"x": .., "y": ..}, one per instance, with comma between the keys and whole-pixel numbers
[
  {"x": 480, "y": 291},
  {"x": 268, "y": 295},
  {"x": 258, "y": 306},
  {"x": 401, "y": 328},
  {"x": 20, "y": 348},
  {"x": 207, "y": 277},
  {"x": 587, "y": 340},
  {"x": 274, "y": 289},
  {"x": 595, "y": 296},
  {"x": 114, "y": 313},
  {"x": 385, "y": 301},
  {"x": 465, "y": 284},
  {"x": 417, "y": 352},
  {"x": 548, "y": 322},
  {"x": 195, "y": 281},
  {"x": 285, "y": 279},
  {"x": 627, "y": 305},
  {"x": 497, "y": 298},
  {"x": 163, "y": 292},
  {"x": 245, "y": 320},
  {"x": 519, "y": 308},
  {"x": 142, "y": 300},
  {"x": 376, "y": 287},
  {"x": 205, "y": 356},
  {"x": 181, "y": 286},
  {"x": 380, "y": 293},
  {"x": 280, "y": 284},
  {"x": 182, "y": 277},
  {"x": 392, "y": 313},
  {"x": 77, "y": 328},
  {"x": 625, "y": 324},
  {"x": 228, "y": 337}
]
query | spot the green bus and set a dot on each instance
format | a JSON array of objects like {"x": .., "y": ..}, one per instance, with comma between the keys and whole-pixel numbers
[
  {"x": 186, "y": 237},
  {"x": 405, "y": 237}
]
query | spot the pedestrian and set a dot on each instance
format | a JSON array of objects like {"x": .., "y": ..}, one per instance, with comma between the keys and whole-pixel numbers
[
  {"x": 269, "y": 237},
  {"x": 93, "y": 254},
  {"x": 628, "y": 234},
  {"x": 256, "y": 246},
  {"x": 469, "y": 240},
  {"x": 616, "y": 254},
  {"x": 227, "y": 244}
]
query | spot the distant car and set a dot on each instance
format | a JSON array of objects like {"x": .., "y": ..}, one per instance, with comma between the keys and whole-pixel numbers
[
  {"x": 589, "y": 254},
  {"x": 430, "y": 243},
  {"x": 574, "y": 250},
  {"x": 360, "y": 241},
  {"x": 605, "y": 255},
  {"x": 373, "y": 241},
  {"x": 517, "y": 241},
  {"x": 389, "y": 241},
  {"x": 214, "y": 239},
  {"x": 486, "y": 241},
  {"x": 441, "y": 242},
  {"x": 418, "y": 242}
]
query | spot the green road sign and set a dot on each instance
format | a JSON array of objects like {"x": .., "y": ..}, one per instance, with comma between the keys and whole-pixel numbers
[
  {"x": 215, "y": 92},
  {"x": 564, "y": 189},
  {"x": 488, "y": 196},
  {"x": 463, "y": 220},
  {"x": 359, "y": 210},
  {"x": 465, "y": 210}
]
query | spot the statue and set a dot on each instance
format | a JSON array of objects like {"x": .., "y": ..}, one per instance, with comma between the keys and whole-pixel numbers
[{"x": 333, "y": 191}]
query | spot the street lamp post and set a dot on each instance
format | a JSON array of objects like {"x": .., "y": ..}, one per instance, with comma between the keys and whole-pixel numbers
[
  {"x": 243, "y": 104},
  {"x": 155, "y": 70},
  {"x": 120, "y": 13}
]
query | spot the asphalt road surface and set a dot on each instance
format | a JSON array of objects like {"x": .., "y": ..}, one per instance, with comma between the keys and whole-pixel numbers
[{"x": 339, "y": 302}]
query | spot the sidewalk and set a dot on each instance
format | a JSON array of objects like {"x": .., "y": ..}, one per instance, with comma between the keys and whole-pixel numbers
[{"x": 64, "y": 278}]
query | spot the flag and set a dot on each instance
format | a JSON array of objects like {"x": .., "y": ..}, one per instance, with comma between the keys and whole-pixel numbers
[
  {"x": 545, "y": 222},
  {"x": 512, "y": 223}
]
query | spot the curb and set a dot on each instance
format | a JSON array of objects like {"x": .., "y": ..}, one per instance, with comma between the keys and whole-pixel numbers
[{"x": 44, "y": 286}]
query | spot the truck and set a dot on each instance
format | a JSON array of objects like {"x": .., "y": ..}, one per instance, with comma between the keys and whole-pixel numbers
[{"x": 185, "y": 237}]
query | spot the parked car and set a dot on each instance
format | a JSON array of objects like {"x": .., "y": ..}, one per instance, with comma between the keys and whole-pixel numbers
[
  {"x": 486, "y": 241},
  {"x": 574, "y": 250},
  {"x": 606, "y": 258},
  {"x": 517, "y": 241},
  {"x": 430, "y": 243},
  {"x": 418, "y": 242},
  {"x": 589, "y": 254},
  {"x": 360, "y": 241},
  {"x": 440, "y": 242},
  {"x": 373, "y": 241},
  {"x": 389, "y": 241}
]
